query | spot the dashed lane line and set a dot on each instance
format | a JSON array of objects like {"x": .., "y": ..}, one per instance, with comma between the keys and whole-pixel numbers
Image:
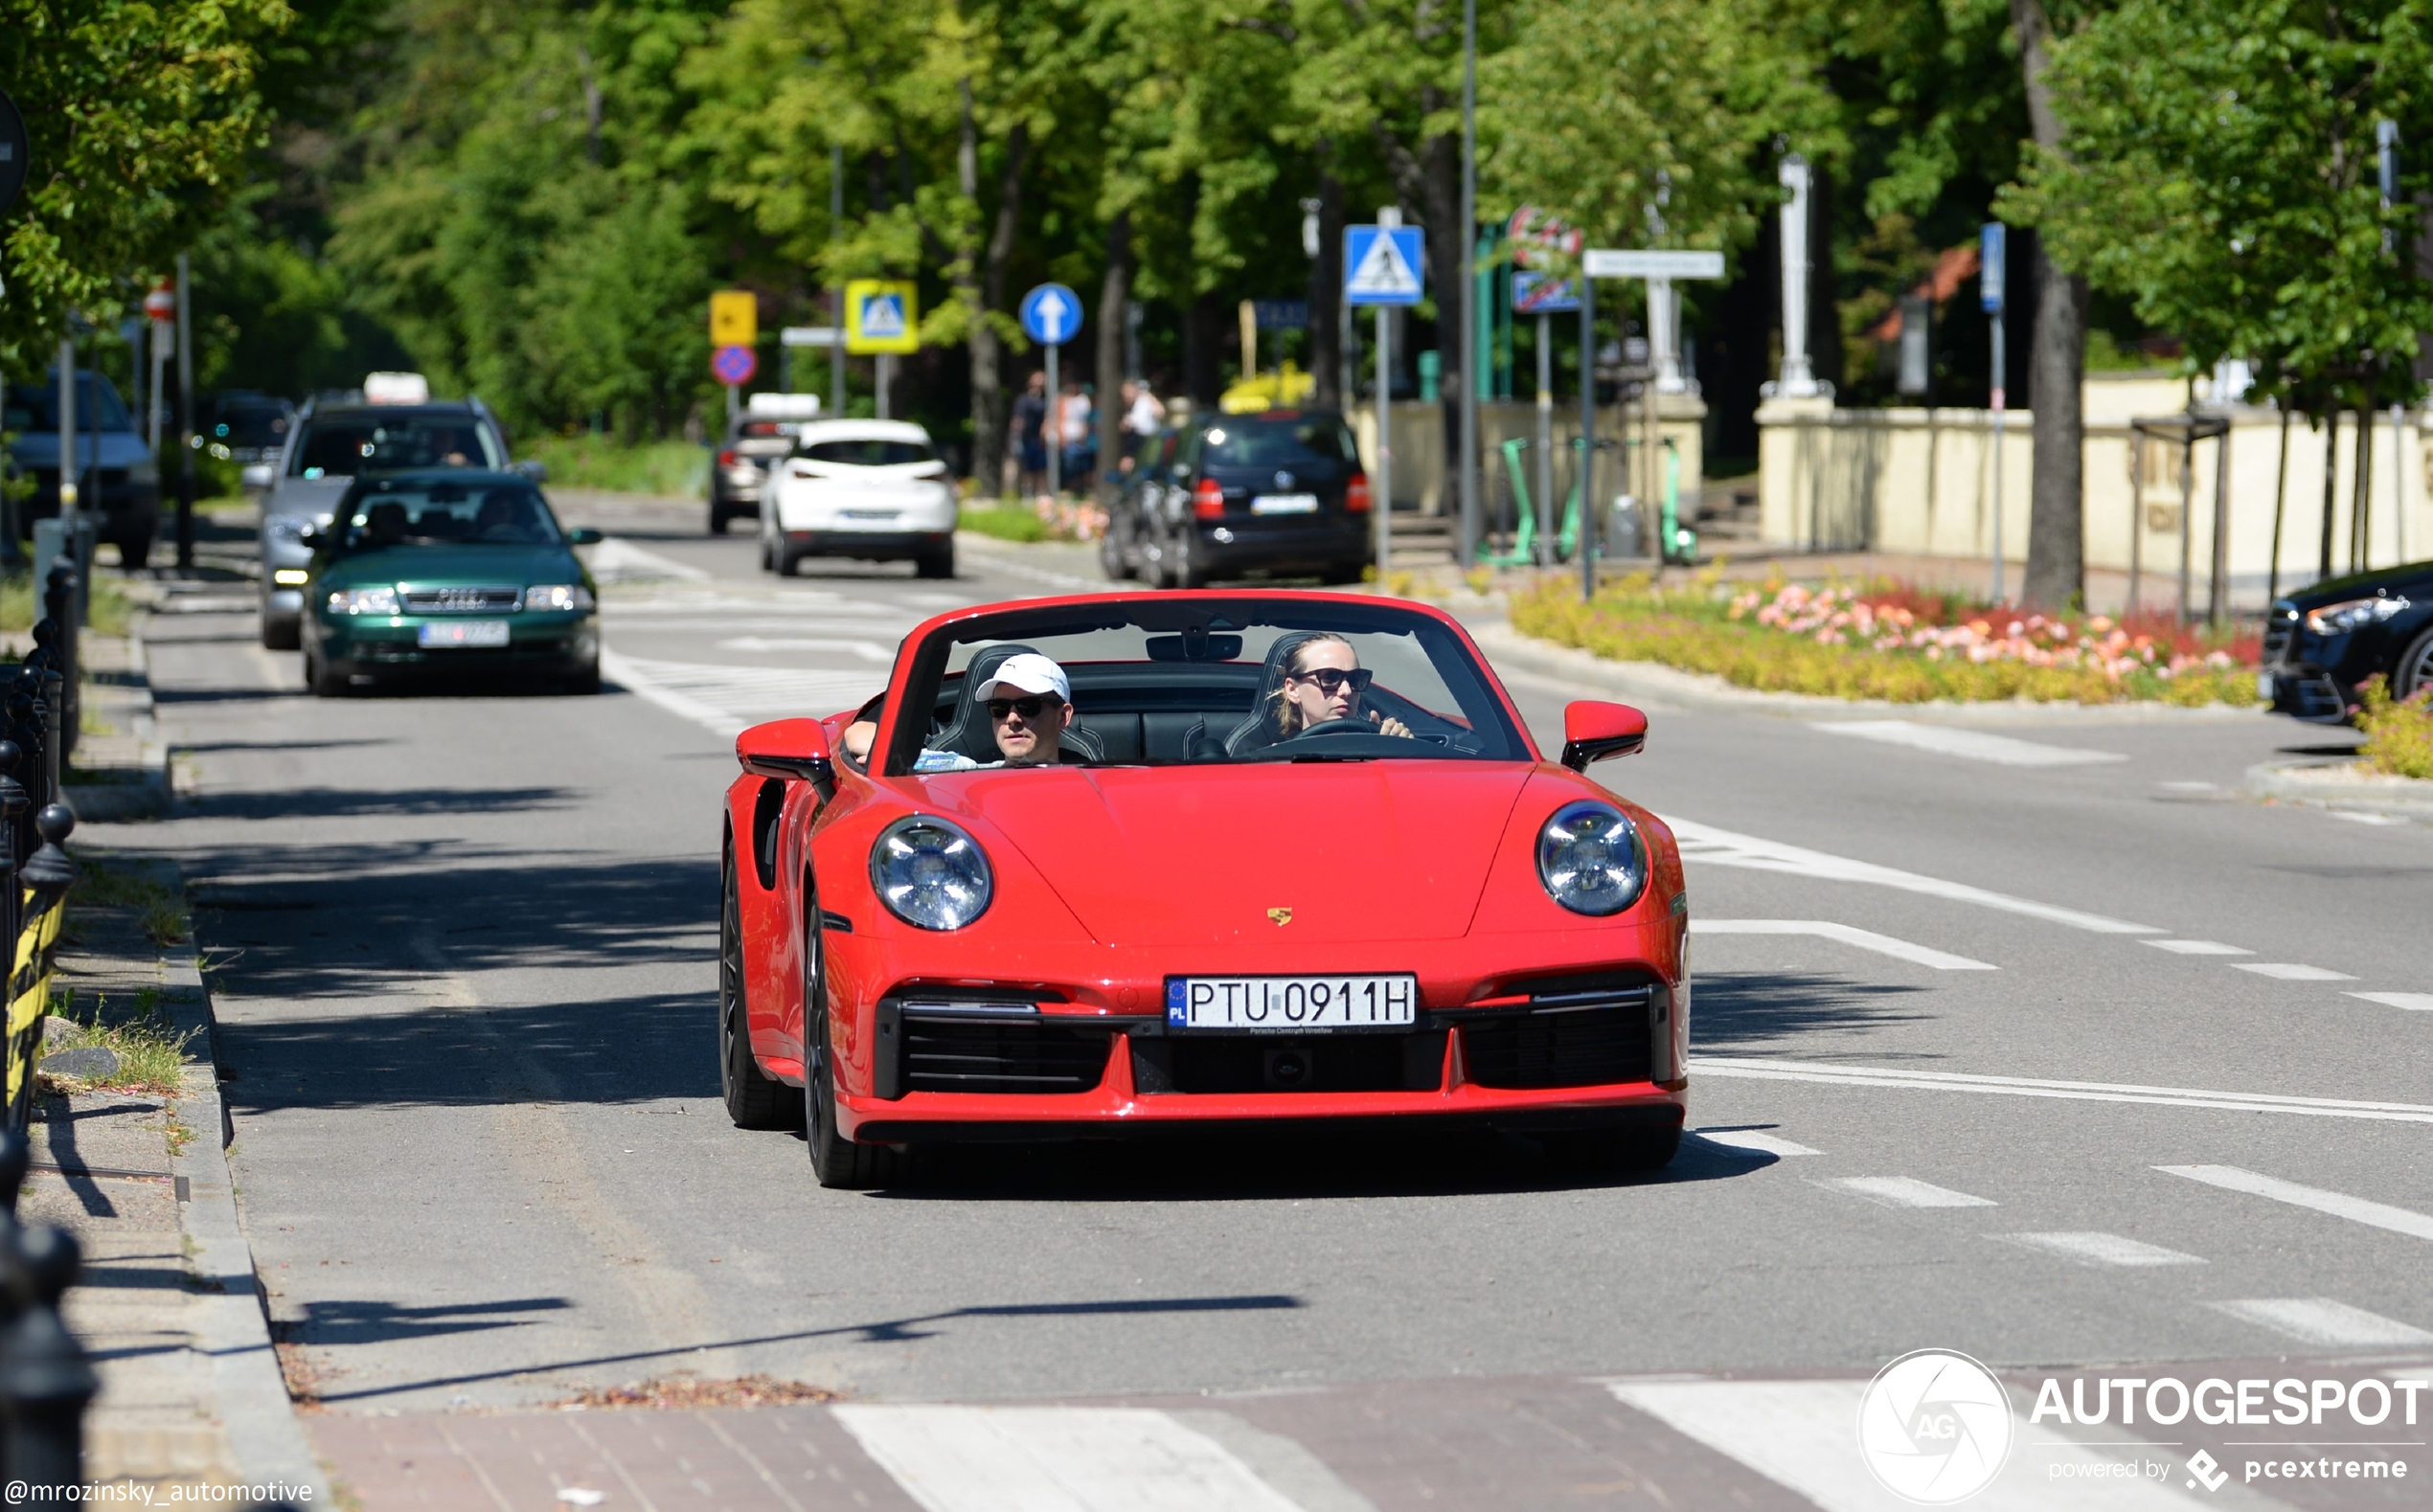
[
  {"x": 1844, "y": 934},
  {"x": 1971, "y": 745},
  {"x": 2291, "y": 971},
  {"x": 2339, "y": 1205},
  {"x": 1754, "y": 1141},
  {"x": 1055, "y": 1459},
  {"x": 1722, "y": 848},
  {"x": 618, "y": 560},
  {"x": 2102, "y": 1249},
  {"x": 2415, "y": 1001},
  {"x": 2196, "y": 947},
  {"x": 1833, "y": 1075},
  {"x": 2323, "y": 1321},
  {"x": 1905, "y": 1191}
]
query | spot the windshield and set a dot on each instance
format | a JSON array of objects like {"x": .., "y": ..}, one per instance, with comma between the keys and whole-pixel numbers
[
  {"x": 1278, "y": 440},
  {"x": 345, "y": 445},
  {"x": 98, "y": 406},
  {"x": 1159, "y": 682},
  {"x": 869, "y": 453},
  {"x": 423, "y": 511},
  {"x": 250, "y": 422}
]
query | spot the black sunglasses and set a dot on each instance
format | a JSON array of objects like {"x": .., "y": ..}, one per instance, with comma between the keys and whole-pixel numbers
[
  {"x": 1027, "y": 707},
  {"x": 1331, "y": 679}
]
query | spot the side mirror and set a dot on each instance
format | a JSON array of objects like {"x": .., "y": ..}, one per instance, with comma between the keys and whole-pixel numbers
[
  {"x": 315, "y": 538},
  {"x": 585, "y": 537},
  {"x": 1594, "y": 731},
  {"x": 255, "y": 475},
  {"x": 536, "y": 471},
  {"x": 794, "y": 749}
]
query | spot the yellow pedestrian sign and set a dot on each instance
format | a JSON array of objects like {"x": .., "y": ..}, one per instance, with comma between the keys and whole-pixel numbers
[
  {"x": 735, "y": 318},
  {"x": 881, "y": 316}
]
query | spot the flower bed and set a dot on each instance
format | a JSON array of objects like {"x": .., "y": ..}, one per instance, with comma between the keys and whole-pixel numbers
[
  {"x": 1043, "y": 519},
  {"x": 1884, "y": 640},
  {"x": 2398, "y": 736}
]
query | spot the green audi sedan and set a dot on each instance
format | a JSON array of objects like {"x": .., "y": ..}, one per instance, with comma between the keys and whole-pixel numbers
[{"x": 448, "y": 574}]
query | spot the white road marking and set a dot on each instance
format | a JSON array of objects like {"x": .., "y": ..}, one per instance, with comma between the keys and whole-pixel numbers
[
  {"x": 2190, "y": 787},
  {"x": 1723, "y": 847},
  {"x": 1864, "y": 939},
  {"x": 618, "y": 560},
  {"x": 2421, "y": 1002},
  {"x": 2291, "y": 971},
  {"x": 2354, "y": 817},
  {"x": 1906, "y": 1191},
  {"x": 1770, "y": 1070},
  {"x": 1752, "y": 1139},
  {"x": 1802, "y": 1435},
  {"x": 1055, "y": 1459},
  {"x": 2102, "y": 1249},
  {"x": 2321, "y": 1321},
  {"x": 2339, "y": 1205},
  {"x": 726, "y": 699},
  {"x": 1973, "y": 745},
  {"x": 2196, "y": 947},
  {"x": 867, "y": 650}
]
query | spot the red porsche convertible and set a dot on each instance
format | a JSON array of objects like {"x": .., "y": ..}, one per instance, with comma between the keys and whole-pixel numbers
[{"x": 1133, "y": 861}]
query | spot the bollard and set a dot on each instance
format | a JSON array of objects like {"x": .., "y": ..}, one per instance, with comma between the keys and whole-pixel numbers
[
  {"x": 65, "y": 610},
  {"x": 46, "y": 1379},
  {"x": 48, "y": 869}
]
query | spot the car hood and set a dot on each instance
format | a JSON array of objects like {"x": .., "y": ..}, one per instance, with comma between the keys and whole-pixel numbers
[
  {"x": 462, "y": 566},
  {"x": 2411, "y": 578},
  {"x": 94, "y": 448},
  {"x": 307, "y": 498},
  {"x": 1369, "y": 850}
]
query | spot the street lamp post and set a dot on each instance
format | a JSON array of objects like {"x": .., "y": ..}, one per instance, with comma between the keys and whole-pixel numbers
[{"x": 1469, "y": 283}]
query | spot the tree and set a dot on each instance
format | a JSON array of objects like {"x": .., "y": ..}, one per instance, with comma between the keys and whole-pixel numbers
[{"x": 2056, "y": 364}]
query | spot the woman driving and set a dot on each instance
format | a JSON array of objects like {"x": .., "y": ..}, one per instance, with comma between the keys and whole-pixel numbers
[{"x": 1324, "y": 680}]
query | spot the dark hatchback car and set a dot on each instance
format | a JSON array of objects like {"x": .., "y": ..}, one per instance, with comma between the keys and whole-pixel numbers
[
  {"x": 1278, "y": 494},
  {"x": 120, "y": 479},
  {"x": 2322, "y": 644}
]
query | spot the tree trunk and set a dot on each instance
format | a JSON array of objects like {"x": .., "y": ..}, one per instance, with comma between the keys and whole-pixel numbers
[
  {"x": 1203, "y": 348},
  {"x": 987, "y": 296},
  {"x": 1326, "y": 296},
  {"x": 2056, "y": 495},
  {"x": 1115, "y": 296}
]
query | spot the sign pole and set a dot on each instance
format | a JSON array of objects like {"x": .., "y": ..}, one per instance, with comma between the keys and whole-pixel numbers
[
  {"x": 1383, "y": 502},
  {"x": 1587, "y": 438},
  {"x": 1546, "y": 438},
  {"x": 884, "y": 370},
  {"x": 1052, "y": 426},
  {"x": 1992, "y": 258},
  {"x": 185, "y": 419},
  {"x": 835, "y": 294},
  {"x": 1467, "y": 551}
]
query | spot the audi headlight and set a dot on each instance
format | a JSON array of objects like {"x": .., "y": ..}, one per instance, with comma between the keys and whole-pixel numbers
[
  {"x": 284, "y": 528},
  {"x": 930, "y": 873},
  {"x": 364, "y": 601},
  {"x": 1591, "y": 859},
  {"x": 558, "y": 596},
  {"x": 2352, "y": 615}
]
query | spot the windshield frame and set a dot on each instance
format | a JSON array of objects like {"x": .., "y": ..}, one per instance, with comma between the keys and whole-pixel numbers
[{"x": 921, "y": 667}]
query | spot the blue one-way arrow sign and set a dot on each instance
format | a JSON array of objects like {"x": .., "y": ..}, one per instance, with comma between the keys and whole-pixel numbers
[{"x": 1051, "y": 314}]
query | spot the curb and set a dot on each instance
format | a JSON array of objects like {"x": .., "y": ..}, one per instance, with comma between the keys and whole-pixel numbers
[
  {"x": 1668, "y": 686},
  {"x": 255, "y": 1413},
  {"x": 2354, "y": 792}
]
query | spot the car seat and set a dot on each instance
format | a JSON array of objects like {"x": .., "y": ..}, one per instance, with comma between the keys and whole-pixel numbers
[
  {"x": 385, "y": 523},
  {"x": 1255, "y": 733},
  {"x": 969, "y": 733}
]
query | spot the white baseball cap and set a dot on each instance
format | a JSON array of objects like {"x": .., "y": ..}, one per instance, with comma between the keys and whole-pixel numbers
[{"x": 1029, "y": 672}]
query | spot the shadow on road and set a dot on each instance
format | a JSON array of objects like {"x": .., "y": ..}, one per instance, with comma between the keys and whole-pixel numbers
[{"x": 1749, "y": 1009}]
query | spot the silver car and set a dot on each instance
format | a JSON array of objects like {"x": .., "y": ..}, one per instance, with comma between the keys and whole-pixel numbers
[{"x": 328, "y": 447}]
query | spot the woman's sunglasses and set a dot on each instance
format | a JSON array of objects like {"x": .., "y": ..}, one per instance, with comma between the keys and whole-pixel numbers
[
  {"x": 1331, "y": 679},
  {"x": 1005, "y": 707}
]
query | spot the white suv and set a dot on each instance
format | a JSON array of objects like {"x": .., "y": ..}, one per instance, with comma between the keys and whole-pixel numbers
[{"x": 875, "y": 491}]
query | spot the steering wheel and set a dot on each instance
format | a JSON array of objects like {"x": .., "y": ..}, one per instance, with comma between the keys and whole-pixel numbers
[{"x": 1348, "y": 724}]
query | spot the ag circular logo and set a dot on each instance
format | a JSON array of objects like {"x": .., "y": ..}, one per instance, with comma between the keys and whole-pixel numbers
[{"x": 1935, "y": 1426}]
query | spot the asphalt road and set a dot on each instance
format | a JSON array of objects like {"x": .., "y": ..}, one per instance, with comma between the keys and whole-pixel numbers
[{"x": 1956, "y": 1021}]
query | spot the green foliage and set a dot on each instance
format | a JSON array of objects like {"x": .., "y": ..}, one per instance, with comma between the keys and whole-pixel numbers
[
  {"x": 1004, "y": 522},
  {"x": 150, "y": 1051},
  {"x": 598, "y": 462},
  {"x": 2398, "y": 736}
]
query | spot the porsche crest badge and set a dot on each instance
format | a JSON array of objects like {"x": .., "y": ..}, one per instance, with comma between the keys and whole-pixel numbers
[{"x": 1280, "y": 915}]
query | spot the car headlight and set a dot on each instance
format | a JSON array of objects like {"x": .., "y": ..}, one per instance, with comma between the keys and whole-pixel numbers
[
  {"x": 364, "y": 601},
  {"x": 284, "y": 528},
  {"x": 558, "y": 596},
  {"x": 2353, "y": 613},
  {"x": 1591, "y": 859},
  {"x": 930, "y": 873}
]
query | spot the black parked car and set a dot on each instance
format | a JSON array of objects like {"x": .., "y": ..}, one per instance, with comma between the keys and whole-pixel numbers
[
  {"x": 1277, "y": 494},
  {"x": 2320, "y": 645}
]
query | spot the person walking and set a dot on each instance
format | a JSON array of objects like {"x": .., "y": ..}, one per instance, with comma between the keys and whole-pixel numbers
[
  {"x": 1080, "y": 437},
  {"x": 1144, "y": 416}
]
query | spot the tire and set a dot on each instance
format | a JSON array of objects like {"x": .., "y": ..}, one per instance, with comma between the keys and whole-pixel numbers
[
  {"x": 754, "y": 1098},
  {"x": 585, "y": 683},
  {"x": 836, "y": 1161},
  {"x": 719, "y": 519},
  {"x": 768, "y": 557},
  {"x": 321, "y": 680},
  {"x": 788, "y": 562},
  {"x": 277, "y": 637},
  {"x": 1610, "y": 1152},
  {"x": 940, "y": 563},
  {"x": 1185, "y": 571},
  {"x": 2413, "y": 672},
  {"x": 1113, "y": 559},
  {"x": 134, "y": 550}
]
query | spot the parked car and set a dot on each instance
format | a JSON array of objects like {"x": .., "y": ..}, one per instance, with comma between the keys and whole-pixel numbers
[
  {"x": 247, "y": 427},
  {"x": 328, "y": 446},
  {"x": 754, "y": 441},
  {"x": 2320, "y": 646},
  {"x": 448, "y": 572},
  {"x": 939, "y": 943},
  {"x": 876, "y": 490},
  {"x": 119, "y": 477},
  {"x": 1280, "y": 493}
]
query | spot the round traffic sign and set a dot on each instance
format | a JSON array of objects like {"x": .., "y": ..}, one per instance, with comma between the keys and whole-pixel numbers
[
  {"x": 734, "y": 365},
  {"x": 160, "y": 304},
  {"x": 1051, "y": 314}
]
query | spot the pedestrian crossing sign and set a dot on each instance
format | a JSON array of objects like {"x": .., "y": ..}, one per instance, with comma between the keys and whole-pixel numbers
[
  {"x": 1381, "y": 266},
  {"x": 882, "y": 315}
]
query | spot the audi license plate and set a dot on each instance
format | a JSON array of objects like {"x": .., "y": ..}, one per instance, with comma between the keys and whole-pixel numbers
[
  {"x": 1291, "y": 1004},
  {"x": 1284, "y": 503},
  {"x": 452, "y": 634}
]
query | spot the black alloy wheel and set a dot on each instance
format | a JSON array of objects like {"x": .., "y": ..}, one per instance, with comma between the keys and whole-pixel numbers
[
  {"x": 837, "y": 1161},
  {"x": 1115, "y": 556},
  {"x": 754, "y": 1098},
  {"x": 2414, "y": 672}
]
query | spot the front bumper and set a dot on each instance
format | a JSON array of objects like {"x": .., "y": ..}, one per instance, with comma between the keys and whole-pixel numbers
[
  {"x": 1283, "y": 544},
  {"x": 2308, "y": 694},
  {"x": 565, "y": 643}
]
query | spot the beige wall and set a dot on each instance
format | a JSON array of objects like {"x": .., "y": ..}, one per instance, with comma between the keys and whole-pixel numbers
[
  {"x": 1921, "y": 481},
  {"x": 1421, "y": 473}
]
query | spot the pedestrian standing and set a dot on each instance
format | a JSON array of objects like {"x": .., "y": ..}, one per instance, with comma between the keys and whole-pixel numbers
[
  {"x": 1026, "y": 435},
  {"x": 1144, "y": 416},
  {"x": 1080, "y": 437}
]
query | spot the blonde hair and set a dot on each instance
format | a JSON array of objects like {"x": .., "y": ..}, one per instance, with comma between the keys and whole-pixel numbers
[{"x": 1284, "y": 717}]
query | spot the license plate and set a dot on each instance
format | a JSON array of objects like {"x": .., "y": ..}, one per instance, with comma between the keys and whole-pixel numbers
[
  {"x": 1291, "y": 1004},
  {"x": 1284, "y": 503},
  {"x": 871, "y": 514},
  {"x": 2264, "y": 687},
  {"x": 466, "y": 633}
]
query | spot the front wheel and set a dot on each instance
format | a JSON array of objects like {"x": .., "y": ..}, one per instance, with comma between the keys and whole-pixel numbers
[
  {"x": 280, "y": 635},
  {"x": 938, "y": 563},
  {"x": 836, "y": 1161},
  {"x": 754, "y": 1098},
  {"x": 320, "y": 679}
]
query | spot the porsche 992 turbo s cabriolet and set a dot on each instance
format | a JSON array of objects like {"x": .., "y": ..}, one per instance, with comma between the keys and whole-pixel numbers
[{"x": 1136, "y": 862}]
